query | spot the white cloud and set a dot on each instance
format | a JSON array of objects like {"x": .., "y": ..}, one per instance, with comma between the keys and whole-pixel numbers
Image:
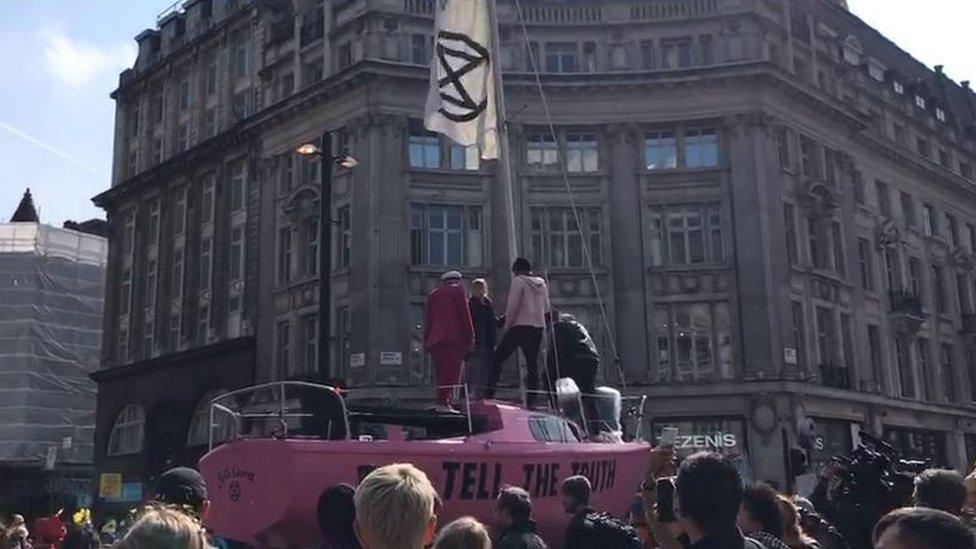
[{"x": 76, "y": 63}]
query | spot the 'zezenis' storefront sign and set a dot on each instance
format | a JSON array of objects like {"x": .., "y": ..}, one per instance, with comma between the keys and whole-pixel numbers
[
  {"x": 725, "y": 435},
  {"x": 711, "y": 441}
]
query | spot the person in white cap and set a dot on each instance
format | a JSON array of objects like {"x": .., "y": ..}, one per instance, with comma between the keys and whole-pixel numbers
[{"x": 449, "y": 333}]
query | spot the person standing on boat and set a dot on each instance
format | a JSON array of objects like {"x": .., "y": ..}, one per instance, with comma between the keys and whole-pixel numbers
[
  {"x": 485, "y": 333},
  {"x": 449, "y": 334},
  {"x": 525, "y": 320}
]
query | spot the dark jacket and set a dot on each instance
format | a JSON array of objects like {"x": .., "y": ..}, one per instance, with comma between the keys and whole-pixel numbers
[
  {"x": 577, "y": 355},
  {"x": 733, "y": 539},
  {"x": 580, "y": 533},
  {"x": 520, "y": 536},
  {"x": 485, "y": 323}
]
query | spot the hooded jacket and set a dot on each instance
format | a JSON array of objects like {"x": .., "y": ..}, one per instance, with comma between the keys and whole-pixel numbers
[
  {"x": 528, "y": 302},
  {"x": 448, "y": 320}
]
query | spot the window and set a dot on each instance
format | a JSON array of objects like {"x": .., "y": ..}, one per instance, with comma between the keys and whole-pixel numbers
[
  {"x": 938, "y": 288},
  {"x": 890, "y": 263},
  {"x": 285, "y": 173},
  {"x": 971, "y": 229},
  {"x": 425, "y": 149},
  {"x": 914, "y": 275},
  {"x": 237, "y": 252},
  {"x": 182, "y": 137},
  {"x": 783, "y": 146},
  {"x": 344, "y": 335},
  {"x": 206, "y": 263},
  {"x": 175, "y": 331},
  {"x": 541, "y": 150},
  {"x": 186, "y": 92},
  {"x": 344, "y": 249},
  {"x": 132, "y": 164},
  {"x": 920, "y": 101},
  {"x": 157, "y": 150},
  {"x": 865, "y": 258},
  {"x": 944, "y": 158},
  {"x": 830, "y": 166},
  {"x": 129, "y": 232},
  {"x": 826, "y": 335},
  {"x": 908, "y": 209},
  {"x": 707, "y": 51},
  {"x": 239, "y": 106},
  {"x": 240, "y": 55},
  {"x": 790, "y": 221},
  {"x": 286, "y": 85},
  {"x": 125, "y": 293},
  {"x": 816, "y": 244},
  {"x": 809, "y": 157},
  {"x": 899, "y": 133},
  {"x": 647, "y": 54},
  {"x": 836, "y": 243},
  {"x": 284, "y": 255},
  {"x": 127, "y": 432},
  {"x": 179, "y": 211},
  {"x": 965, "y": 170},
  {"x": 898, "y": 87},
  {"x": 905, "y": 374},
  {"x": 948, "y": 373},
  {"x": 940, "y": 114},
  {"x": 799, "y": 332},
  {"x": 701, "y": 148},
  {"x": 152, "y": 269},
  {"x": 857, "y": 185},
  {"x": 690, "y": 234},
  {"x": 200, "y": 427},
  {"x": 582, "y": 153},
  {"x": 884, "y": 199},
  {"x": 312, "y": 71},
  {"x": 283, "y": 348},
  {"x": 660, "y": 151},
  {"x": 148, "y": 337},
  {"x": 310, "y": 331},
  {"x": 619, "y": 58},
  {"x": 675, "y": 53},
  {"x": 924, "y": 368},
  {"x": 446, "y": 235},
  {"x": 203, "y": 322},
  {"x": 847, "y": 344},
  {"x": 154, "y": 221},
  {"x": 532, "y": 58},
  {"x": 345, "y": 55},
  {"x": 212, "y": 75},
  {"x": 561, "y": 57},
  {"x": 952, "y": 229},
  {"x": 156, "y": 104},
  {"x": 874, "y": 352},
  {"x": 923, "y": 147},
  {"x": 310, "y": 257},
  {"x": 238, "y": 186},
  {"x": 207, "y": 200},
  {"x": 464, "y": 158},
  {"x": 210, "y": 123},
  {"x": 589, "y": 57},
  {"x": 123, "y": 348},
  {"x": 176, "y": 285},
  {"x": 930, "y": 219},
  {"x": 696, "y": 339},
  {"x": 133, "y": 121},
  {"x": 557, "y": 240},
  {"x": 420, "y": 53}
]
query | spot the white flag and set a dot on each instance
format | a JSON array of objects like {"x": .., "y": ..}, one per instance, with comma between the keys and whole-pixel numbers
[{"x": 461, "y": 100}]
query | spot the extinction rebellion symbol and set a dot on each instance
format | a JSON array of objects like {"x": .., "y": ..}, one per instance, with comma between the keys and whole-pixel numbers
[{"x": 464, "y": 64}]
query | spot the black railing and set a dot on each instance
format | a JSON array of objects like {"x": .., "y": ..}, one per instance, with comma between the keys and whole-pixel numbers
[
  {"x": 906, "y": 302},
  {"x": 838, "y": 377},
  {"x": 968, "y": 323}
]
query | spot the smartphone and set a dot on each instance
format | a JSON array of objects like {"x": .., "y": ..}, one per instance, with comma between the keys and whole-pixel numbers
[
  {"x": 665, "y": 500},
  {"x": 669, "y": 435}
]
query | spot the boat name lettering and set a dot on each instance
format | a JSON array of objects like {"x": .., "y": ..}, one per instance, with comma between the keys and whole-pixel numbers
[
  {"x": 711, "y": 440},
  {"x": 471, "y": 480},
  {"x": 232, "y": 472},
  {"x": 602, "y": 473}
]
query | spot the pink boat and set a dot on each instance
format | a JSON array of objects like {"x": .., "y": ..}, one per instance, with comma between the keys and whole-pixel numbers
[{"x": 289, "y": 441}]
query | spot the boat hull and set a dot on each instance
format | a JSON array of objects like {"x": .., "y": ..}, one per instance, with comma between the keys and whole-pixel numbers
[{"x": 264, "y": 492}]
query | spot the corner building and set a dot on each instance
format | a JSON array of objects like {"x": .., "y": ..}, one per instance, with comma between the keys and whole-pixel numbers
[{"x": 779, "y": 203}]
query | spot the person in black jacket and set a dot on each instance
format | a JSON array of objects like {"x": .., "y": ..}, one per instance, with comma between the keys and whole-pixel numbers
[
  {"x": 580, "y": 533},
  {"x": 573, "y": 354},
  {"x": 513, "y": 512},
  {"x": 486, "y": 326}
]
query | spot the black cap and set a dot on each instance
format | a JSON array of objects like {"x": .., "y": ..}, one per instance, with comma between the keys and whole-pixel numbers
[
  {"x": 521, "y": 265},
  {"x": 180, "y": 486}
]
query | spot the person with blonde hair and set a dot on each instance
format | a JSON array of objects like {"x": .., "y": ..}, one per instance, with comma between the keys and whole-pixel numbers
[
  {"x": 395, "y": 508},
  {"x": 164, "y": 528},
  {"x": 793, "y": 534},
  {"x": 16, "y": 534},
  {"x": 463, "y": 533}
]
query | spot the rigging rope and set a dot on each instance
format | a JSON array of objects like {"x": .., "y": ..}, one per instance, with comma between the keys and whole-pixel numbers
[{"x": 569, "y": 191}]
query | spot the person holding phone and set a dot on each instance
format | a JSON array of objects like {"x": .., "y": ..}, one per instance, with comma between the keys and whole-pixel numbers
[{"x": 707, "y": 493}]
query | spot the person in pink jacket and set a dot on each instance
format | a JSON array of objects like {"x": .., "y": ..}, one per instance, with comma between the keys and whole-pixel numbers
[
  {"x": 449, "y": 334},
  {"x": 525, "y": 320}
]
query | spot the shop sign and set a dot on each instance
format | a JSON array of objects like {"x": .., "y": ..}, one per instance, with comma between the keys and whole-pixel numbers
[
  {"x": 789, "y": 355},
  {"x": 726, "y": 436},
  {"x": 391, "y": 358},
  {"x": 110, "y": 486},
  {"x": 357, "y": 360}
]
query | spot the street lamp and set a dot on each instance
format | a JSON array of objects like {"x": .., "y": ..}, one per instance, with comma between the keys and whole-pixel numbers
[{"x": 324, "y": 151}]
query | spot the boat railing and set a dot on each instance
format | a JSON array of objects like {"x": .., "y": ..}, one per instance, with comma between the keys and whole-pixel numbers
[{"x": 300, "y": 408}]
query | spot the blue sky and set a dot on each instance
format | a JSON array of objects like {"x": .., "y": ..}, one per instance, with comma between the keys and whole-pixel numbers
[{"x": 61, "y": 58}]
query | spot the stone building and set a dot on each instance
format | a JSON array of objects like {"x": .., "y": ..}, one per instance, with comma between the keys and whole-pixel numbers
[{"x": 778, "y": 202}]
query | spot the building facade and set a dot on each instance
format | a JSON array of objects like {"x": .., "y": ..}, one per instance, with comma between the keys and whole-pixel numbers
[{"x": 778, "y": 204}]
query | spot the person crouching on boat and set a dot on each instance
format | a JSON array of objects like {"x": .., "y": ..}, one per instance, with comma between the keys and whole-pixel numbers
[
  {"x": 573, "y": 354},
  {"x": 525, "y": 319},
  {"x": 486, "y": 326},
  {"x": 449, "y": 334}
]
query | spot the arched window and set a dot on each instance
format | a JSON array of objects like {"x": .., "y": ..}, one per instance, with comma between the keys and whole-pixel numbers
[
  {"x": 198, "y": 435},
  {"x": 128, "y": 431}
]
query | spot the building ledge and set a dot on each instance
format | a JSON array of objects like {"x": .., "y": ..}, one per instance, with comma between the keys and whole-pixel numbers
[{"x": 173, "y": 360}]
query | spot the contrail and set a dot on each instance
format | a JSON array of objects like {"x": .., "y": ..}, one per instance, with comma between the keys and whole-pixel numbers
[{"x": 50, "y": 149}]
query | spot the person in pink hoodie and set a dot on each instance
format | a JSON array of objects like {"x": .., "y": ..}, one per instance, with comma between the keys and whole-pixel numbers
[
  {"x": 525, "y": 320},
  {"x": 449, "y": 334}
]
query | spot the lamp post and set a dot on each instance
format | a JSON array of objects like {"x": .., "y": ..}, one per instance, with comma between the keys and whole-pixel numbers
[{"x": 324, "y": 151}]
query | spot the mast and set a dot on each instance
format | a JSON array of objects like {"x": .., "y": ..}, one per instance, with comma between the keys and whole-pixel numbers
[{"x": 503, "y": 193}]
